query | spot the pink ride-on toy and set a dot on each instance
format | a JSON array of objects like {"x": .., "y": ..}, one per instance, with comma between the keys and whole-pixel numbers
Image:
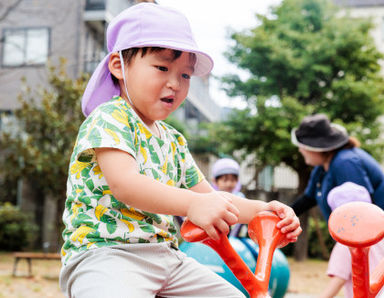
[
  {"x": 262, "y": 229},
  {"x": 360, "y": 225}
]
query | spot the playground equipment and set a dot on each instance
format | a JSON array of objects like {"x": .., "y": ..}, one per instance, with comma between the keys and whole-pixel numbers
[
  {"x": 262, "y": 229},
  {"x": 360, "y": 225}
]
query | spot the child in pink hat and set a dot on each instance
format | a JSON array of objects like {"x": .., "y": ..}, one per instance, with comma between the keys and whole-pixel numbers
[
  {"x": 130, "y": 172},
  {"x": 225, "y": 176},
  {"x": 340, "y": 264}
]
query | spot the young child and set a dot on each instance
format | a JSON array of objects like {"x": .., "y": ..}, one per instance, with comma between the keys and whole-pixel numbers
[
  {"x": 225, "y": 172},
  {"x": 340, "y": 262},
  {"x": 130, "y": 172}
]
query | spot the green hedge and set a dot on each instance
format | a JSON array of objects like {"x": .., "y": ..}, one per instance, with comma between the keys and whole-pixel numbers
[{"x": 17, "y": 229}]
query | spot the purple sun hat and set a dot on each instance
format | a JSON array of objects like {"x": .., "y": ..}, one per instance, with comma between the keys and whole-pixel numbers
[
  {"x": 346, "y": 193},
  {"x": 225, "y": 166},
  {"x": 142, "y": 25}
]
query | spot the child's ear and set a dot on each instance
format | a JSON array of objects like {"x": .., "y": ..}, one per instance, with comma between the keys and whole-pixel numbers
[{"x": 114, "y": 66}]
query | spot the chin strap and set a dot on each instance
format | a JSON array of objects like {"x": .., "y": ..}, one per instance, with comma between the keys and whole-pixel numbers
[{"x": 125, "y": 84}]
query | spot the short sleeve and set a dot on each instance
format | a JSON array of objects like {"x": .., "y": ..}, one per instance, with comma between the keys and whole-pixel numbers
[
  {"x": 340, "y": 262},
  {"x": 106, "y": 127},
  {"x": 192, "y": 173},
  {"x": 351, "y": 170}
]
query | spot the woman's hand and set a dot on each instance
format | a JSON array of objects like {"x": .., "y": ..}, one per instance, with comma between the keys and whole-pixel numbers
[{"x": 289, "y": 223}]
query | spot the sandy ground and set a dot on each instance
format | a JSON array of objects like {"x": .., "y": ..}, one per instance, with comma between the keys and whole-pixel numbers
[{"x": 307, "y": 278}]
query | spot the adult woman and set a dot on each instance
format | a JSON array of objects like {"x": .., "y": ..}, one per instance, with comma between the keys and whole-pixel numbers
[{"x": 336, "y": 159}]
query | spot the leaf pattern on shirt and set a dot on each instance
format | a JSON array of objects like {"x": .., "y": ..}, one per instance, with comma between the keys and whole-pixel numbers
[{"x": 93, "y": 216}]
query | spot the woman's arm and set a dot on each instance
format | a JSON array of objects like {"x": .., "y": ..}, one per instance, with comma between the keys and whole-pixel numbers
[{"x": 303, "y": 203}]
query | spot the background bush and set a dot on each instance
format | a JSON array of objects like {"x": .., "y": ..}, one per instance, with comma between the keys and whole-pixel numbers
[{"x": 17, "y": 230}]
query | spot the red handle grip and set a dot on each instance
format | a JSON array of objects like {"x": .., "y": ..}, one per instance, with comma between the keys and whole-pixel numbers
[
  {"x": 263, "y": 229},
  {"x": 359, "y": 225}
]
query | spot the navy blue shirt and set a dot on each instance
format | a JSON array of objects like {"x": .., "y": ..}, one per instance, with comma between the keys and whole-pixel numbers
[{"x": 354, "y": 165}]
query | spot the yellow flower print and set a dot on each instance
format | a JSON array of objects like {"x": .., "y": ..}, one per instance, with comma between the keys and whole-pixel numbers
[
  {"x": 121, "y": 117},
  {"x": 75, "y": 210},
  {"x": 170, "y": 182},
  {"x": 77, "y": 167},
  {"x": 136, "y": 137},
  {"x": 200, "y": 175},
  {"x": 132, "y": 213},
  {"x": 181, "y": 141},
  {"x": 164, "y": 235},
  {"x": 113, "y": 135},
  {"x": 165, "y": 165},
  {"x": 63, "y": 253},
  {"x": 81, "y": 233},
  {"x": 90, "y": 244},
  {"x": 129, "y": 225},
  {"x": 144, "y": 154},
  {"x": 107, "y": 192},
  {"x": 97, "y": 171},
  {"x": 90, "y": 128},
  {"x": 144, "y": 130},
  {"x": 100, "y": 210},
  {"x": 173, "y": 146}
]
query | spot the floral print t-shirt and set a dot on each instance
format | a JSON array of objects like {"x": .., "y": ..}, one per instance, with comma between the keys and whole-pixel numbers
[{"x": 93, "y": 217}]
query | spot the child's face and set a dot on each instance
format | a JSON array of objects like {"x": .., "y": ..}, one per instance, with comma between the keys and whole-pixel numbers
[
  {"x": 157, "y": 83},
  {"x": 227, "y": 182}
]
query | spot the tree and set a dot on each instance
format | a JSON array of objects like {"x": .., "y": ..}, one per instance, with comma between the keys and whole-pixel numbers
[
  {"x": 6, "y": 10},
  {"x": 39, "y": 151},
  {"x": 304, "y": 58}
]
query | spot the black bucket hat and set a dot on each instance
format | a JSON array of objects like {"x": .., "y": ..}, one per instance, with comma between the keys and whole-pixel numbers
[{"x": 317, "y": 133}]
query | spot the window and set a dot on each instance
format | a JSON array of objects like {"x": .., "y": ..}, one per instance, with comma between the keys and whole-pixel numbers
[
  {"x": 25, "y": 46},
  {"x": 6, "y": 119},
  {"x": 95, "y": 5}
]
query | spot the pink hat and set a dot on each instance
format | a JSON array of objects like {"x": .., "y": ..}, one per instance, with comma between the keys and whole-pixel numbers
[
  {"x": 142, "y": 25},
  {"x": 225, "y": 166},
  {"x": 346, "y": 193}
]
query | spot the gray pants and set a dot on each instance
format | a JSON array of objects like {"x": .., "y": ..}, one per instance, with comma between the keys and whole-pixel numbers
[{"x": 140, "y": 271}]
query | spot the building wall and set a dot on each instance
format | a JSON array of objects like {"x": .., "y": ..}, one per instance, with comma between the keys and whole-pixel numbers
[{"x": 63, "y": 18}]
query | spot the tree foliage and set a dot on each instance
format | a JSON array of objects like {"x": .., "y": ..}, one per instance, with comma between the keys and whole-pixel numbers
[
  {"x": 38, "y": 148},
  {"x": 48, "y": 121},
  {"x": 304, "y": 58}
]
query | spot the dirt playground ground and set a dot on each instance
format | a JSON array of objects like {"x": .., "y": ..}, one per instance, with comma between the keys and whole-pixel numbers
[{"x": 307, "y": 278}]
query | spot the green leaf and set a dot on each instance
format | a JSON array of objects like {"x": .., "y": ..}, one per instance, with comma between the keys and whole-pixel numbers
[{"x": 111, "y": 225}]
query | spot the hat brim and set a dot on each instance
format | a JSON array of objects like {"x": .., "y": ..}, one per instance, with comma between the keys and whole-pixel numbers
[
  {"x": 329, "y": 145},
  {"x": 226, "y": 171},
  {"x": 204, "y": 62}
]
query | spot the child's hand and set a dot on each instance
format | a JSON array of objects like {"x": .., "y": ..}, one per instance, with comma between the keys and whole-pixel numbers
[
  {"x": 289, "y": 223},
  {"x": 214, "y": 212}
]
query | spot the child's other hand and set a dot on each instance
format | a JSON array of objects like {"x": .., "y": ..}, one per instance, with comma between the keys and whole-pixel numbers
[
  {"x": 289, "y": 223},
  {"x": 214, "y": 212}
]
